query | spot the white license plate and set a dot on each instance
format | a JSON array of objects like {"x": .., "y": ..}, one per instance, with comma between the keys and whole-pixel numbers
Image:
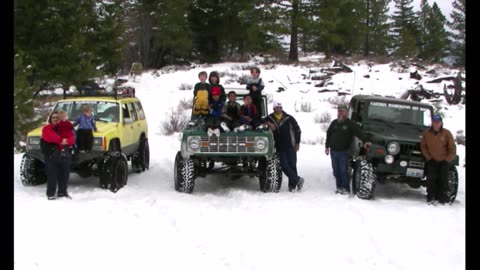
[{"x": 415, "y": 172}]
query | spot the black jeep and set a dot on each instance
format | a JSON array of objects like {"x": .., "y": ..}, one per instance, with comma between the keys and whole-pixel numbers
[{"x": 394, "y": 126}]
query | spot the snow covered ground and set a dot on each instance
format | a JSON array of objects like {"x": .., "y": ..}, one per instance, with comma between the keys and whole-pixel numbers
[{"x": 228, "y": 223}]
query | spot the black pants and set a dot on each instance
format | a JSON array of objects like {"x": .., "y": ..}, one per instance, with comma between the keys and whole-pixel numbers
[
  {"x": 437, "y": 180},
  {"x": 84, "y": 139},
  {"x": 258, "y": 105},
  {"x": 235, "y": 122},
  {"x": 58, "y": 172},
  {"x": 213, "y": 122}
]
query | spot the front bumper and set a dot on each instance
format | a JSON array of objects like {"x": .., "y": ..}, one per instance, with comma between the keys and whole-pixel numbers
[
  {"x": 401, "y": 167},
  {"x": 77, "y": 158}
]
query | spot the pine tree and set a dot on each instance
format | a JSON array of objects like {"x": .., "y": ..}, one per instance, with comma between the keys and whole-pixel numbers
[
  {"x": 107, "y": 39},
  {"x": 457, "y": 24},
  {"x": 377, "y": 39},
  {"x": 423, "y": 16},
  {"x": 285, "y": 18},
  {"x": 158, "y": 32},
  {"x": 405, "y": 30},
  {"x": 24, "y": 117},
  {"x": 339, "y": 26},
  {"x": 436, "y": 37},
  {"x": 54, "y": 34}
]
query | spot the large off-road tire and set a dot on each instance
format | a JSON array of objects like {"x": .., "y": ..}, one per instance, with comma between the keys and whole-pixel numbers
[
  {"x": 452, "y": 185},
  {"x": 32, "y": 171},
  {"x": 114, "y": 174},
  {"x": 141, "y": 158},
  {"x": 364, "y": 179},
  {"x": 184, "y": 174},
  {"x": 270, "y": 175}
]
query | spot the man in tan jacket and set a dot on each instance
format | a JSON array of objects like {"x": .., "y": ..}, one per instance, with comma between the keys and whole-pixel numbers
[{"x": 439, "y": 150}]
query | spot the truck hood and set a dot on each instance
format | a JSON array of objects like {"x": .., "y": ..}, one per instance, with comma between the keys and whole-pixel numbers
[{"x": 102, "y": 128}]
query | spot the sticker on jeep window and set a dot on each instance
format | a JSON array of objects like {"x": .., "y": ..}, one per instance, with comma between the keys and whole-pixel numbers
[{"x": 397, "y": 106}]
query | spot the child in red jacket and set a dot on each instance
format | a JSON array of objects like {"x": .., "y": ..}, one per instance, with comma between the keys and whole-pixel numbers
[{"x": 64, "y": 128}]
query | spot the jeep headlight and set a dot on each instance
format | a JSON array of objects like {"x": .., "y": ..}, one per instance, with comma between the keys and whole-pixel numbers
[
  {"x": 389, "y": 159},
  {"x": 99, "y": 144},
  {"x": 33, "y": 140},
  {"x": 194, "y": 143},
  {"x": 261, "y": 143},
  {"x": 393, "y": 148},
  {"x": 97, "y": 141}
]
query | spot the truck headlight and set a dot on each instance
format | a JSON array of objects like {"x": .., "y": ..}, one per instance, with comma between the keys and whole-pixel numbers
[
  {"x": 389, "y": 159},
  {"x": 393, "y": 148},
  {"x": 33, "y": 140},
  {"x": 97, "y": 141},
  {"x": 261, "y": 143},
  {"x": 193, "y": 143}
]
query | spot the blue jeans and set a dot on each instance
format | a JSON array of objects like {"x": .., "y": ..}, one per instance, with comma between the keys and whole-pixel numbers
[
  {"x": 288, "y": 161},
  {"x": 340, "y": 169}
]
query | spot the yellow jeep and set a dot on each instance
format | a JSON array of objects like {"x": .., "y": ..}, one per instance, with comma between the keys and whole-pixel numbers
[{"x": 121, "y": 136}]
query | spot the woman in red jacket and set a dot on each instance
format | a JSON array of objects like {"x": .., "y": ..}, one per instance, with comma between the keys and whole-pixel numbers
[{"x": 57, "y": 165}]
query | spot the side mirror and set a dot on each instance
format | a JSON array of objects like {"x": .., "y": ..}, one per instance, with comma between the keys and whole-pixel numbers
[{"x": 127, "y": 120}]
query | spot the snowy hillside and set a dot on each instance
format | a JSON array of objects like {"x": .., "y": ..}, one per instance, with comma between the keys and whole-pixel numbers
[{"x": 228, "y": 223}]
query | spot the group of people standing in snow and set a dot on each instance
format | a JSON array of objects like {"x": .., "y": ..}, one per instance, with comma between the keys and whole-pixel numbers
[
  {"x": 437, "y": 144},
  {"x": 211, "y": 104}
]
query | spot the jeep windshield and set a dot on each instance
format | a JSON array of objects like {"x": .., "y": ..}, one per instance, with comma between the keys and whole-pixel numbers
[
  {"x": 103, "y": 111},
  {"x": 397, "y": 113}
]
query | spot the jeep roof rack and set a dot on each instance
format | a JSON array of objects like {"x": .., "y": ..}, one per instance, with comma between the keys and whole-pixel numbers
[{"x": 117, "y": 92}]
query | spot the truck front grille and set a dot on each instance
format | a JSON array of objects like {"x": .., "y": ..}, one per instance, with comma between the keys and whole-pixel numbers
[
  {"x": 410, "y": 149},
  {"x": 228, "y": 144}
]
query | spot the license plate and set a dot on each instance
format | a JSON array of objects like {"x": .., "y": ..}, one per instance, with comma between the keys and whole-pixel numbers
[{"x": 415, "y": 172}]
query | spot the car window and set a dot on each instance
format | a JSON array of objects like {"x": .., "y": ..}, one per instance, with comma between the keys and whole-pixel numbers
[
  {"x": 133, "y": 113},
  {"x": 139, "y": 108},
  {"x": 107, "y": 112},
  {"x": 125, "y": 112},
  {"x": 398, "y": 113},
  {"x": 105, "y": 109}
]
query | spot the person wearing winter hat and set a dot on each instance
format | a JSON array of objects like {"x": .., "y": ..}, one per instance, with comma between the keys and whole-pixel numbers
[
  {"x": 438, "y": 148},
  {"x": 287, "y": 143},
  {"x": 215, "y": 112},
  {"x": 340, "y": 136},
  {"x": 214, "y": 80}
]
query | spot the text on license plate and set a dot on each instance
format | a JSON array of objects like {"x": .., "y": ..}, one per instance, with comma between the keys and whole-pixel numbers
[{"x": 415, "y": 172}]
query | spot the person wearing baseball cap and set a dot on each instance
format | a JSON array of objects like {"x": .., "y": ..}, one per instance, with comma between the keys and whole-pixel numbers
[
  {"x": 287, "y": 143},
  {"x": 438, "y": 148},
  {"x": 340, "y": 136}
]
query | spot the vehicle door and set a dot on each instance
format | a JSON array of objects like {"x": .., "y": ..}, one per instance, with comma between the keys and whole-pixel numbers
[
  {"x": 127, "y": 130},
  {"x": 135, "y": 123},
  {"x": 141, "y": 118}
]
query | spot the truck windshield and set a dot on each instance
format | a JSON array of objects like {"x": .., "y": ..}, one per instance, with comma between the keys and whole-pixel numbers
[
  {"x": 399, "y": 113},
  {"x": 102, "y": 110}
]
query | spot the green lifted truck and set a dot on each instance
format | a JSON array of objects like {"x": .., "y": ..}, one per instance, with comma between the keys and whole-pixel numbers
[
  {"x": 249, "y": 152},
  {"x": 394, "y": 126}
]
